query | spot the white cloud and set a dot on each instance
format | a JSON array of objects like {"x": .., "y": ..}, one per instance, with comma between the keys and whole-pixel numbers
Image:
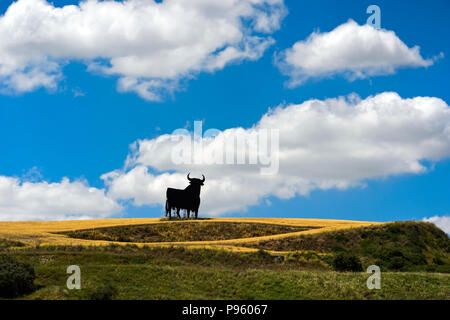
[
  {"x": 442, "y": 222},
  {"x": 334, "y": 143},
  {"x": 25, "y": 200},
  {"x": 151, "y": 46},
  {"x": 352, "y": 50}
]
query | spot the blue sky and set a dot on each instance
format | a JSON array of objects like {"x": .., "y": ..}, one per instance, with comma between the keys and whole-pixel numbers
[{"x": 82, "y": 129}]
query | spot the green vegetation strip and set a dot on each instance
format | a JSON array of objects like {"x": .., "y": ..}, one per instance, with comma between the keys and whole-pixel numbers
[{"x": 177, "y": 273}]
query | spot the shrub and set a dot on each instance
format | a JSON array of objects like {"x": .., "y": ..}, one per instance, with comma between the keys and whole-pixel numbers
[
  {"x": 368, "y": 247},
  {"x": 16, "y": 278},
  {"x": 337, "y": 249},
  {"x": 339, "y": 237},
  {"x": 346, "y": 262},
  {"x": 394, "y": 228},
  {"x": 397, "y": 263},
  {"x": 416, "y": 258},
  {"x": 103, "y": 292},
  {"x": 438, "y": 260},
  {"x": 404, "y": 258}
]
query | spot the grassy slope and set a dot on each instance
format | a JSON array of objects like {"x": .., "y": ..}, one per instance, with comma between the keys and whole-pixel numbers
[
  {"x": 404, "y": 246},
  {"x": 180, "y": 273},
  {"x": 165, "y": 282}
]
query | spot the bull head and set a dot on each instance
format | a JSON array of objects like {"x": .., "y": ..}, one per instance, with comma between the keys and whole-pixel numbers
[{"x": 195, "y": 180}]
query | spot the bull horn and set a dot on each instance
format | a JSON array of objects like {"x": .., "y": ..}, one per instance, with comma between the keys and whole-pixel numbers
[
  {"x": 203, "y": 178},
  {"x": 188, "y": 177}
]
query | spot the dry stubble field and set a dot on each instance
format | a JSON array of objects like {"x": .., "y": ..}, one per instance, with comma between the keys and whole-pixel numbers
[{"x": 49, "y": 232}]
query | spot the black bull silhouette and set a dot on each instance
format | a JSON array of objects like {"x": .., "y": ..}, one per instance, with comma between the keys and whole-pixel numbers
[{"x": 187, "y": 199}]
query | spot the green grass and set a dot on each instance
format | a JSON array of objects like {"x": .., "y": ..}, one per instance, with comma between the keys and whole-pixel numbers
[
  {"x": 171, "y": 256},
  {"x": 397, "y": 246},
  {"x": 191, "y": 282},
  {"x": 183, "y": 231},
  {"x": 177, "y": 273}
]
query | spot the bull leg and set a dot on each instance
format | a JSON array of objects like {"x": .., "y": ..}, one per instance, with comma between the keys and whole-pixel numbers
[
  {"x": 167, "y": 208},
  {"x": 178, "y": 212},
  {"x": 196, "y": 214},
  {"x": 188, "y": 213}
]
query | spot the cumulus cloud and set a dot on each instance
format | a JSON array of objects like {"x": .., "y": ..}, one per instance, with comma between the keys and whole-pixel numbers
[
  {"x": 323, "y": 144},
  {"x": 442, "y": 222},
  {"x": 65, "y": 200},
  {"x": 352, "y": 50},
  {"x": 150, "y": 45}
]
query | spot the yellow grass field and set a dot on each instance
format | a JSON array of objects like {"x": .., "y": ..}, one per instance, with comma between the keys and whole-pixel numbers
[{"x": 43, "y": 232}]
